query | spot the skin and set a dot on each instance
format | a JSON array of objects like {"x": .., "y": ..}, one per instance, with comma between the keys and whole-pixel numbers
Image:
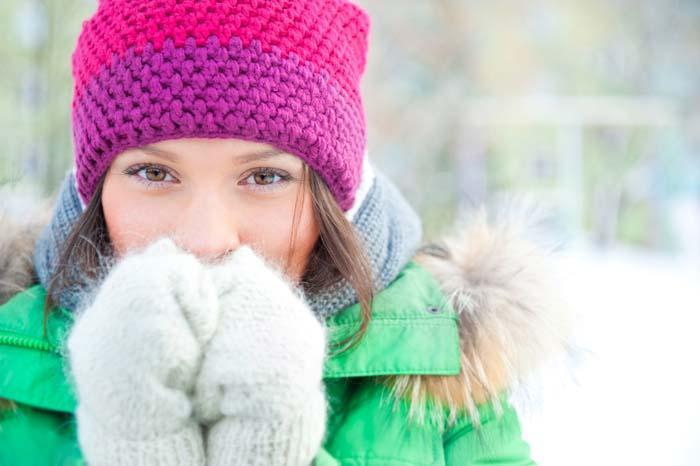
[{"x": 211, "y": 196}]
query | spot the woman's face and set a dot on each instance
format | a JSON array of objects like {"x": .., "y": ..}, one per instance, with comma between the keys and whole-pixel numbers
[{"x": 211, "y": 196}]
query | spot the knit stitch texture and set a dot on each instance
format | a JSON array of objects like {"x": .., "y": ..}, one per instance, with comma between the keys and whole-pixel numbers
[
  {"x": 279, "y": 72},
  {"x": 135, "y": 351},
  {"x": 169, "y": 343},
  {"x": 260, "y": 384}
]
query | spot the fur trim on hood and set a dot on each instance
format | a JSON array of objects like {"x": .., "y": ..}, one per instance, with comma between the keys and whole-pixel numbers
[
  {"x": 497, "y": 277},
  {"x": 17, "y": 252}
]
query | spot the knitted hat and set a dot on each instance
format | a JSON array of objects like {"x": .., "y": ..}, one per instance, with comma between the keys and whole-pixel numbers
[{"x": 283, "y": 72}]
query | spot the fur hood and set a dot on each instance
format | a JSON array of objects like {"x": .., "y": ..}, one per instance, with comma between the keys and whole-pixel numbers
[
  {"x": 497, "y": 276},
  {"x": 17, "y": 252},
  {"x": 497, "y": 268}
]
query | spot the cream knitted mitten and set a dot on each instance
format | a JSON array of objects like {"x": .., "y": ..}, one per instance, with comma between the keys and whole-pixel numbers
[
  {"x": 260, "y": 389},
  {"x": 134, "y": 355}
]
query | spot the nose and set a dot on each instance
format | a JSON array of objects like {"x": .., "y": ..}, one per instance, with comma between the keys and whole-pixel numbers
[{"x": 207, "y": 228}]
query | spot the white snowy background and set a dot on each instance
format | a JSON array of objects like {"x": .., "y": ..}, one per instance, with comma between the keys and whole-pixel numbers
[{"x": 633, "y": 397}]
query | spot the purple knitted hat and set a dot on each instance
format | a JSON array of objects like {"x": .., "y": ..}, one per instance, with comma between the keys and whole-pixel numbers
[{"x": 285, "y": 73}]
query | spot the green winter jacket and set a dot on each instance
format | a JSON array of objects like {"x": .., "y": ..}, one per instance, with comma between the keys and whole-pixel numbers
[
  {"x": 413, "y": 331},
  {"x": 408, "y": 394}
]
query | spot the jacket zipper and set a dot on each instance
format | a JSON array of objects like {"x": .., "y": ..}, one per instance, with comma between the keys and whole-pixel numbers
[{"x": 24, "y": 342}]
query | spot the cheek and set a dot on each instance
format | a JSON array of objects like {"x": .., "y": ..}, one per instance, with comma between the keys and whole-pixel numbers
[
  {"x": 132, "y": 222},
  {"x": 272, "y": 231}
]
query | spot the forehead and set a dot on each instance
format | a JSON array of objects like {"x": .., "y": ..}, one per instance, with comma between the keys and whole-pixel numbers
[{"x": 237, "y": 150}]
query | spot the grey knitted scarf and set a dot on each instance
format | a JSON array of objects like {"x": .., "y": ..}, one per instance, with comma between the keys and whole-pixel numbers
[{"x": 388, "y": 227}]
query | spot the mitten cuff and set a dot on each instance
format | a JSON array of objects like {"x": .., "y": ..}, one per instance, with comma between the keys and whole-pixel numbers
[
  {"x": 292, "y": 441},
  {"x": 102, "y": 447}
]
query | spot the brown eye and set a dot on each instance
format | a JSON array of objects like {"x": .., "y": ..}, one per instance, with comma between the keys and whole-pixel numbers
[
  {"x": 264, "y": 178},
  {"x": 152, "y": 175},
  {"x": 267, "y": 179},
  {"x": 155, "y": 174}
]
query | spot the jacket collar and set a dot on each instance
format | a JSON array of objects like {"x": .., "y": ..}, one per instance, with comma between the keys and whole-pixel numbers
[{"x": 408, "y": 318}]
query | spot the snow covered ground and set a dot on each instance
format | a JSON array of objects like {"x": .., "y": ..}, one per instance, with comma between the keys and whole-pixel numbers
[{"x": 634, "y": 399}]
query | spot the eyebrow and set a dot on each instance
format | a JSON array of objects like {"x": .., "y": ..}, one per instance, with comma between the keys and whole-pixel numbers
[{"x": 261, "y": 155}]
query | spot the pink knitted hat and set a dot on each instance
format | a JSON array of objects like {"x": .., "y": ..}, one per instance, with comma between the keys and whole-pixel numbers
[{"x": 283, "y": 72}]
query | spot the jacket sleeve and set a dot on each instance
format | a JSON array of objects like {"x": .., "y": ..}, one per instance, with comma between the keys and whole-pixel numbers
[
  {"x": 35, "y": 436},
  {"x": 498, "y": 441}
]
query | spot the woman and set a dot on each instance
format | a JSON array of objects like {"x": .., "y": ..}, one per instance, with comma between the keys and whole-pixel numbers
[{"x": 226, "y": 280}]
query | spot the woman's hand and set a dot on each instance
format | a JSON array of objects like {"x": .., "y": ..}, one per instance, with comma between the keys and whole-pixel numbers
[
  {"x": 260, "y": 388},
  {"x": 135, "y": 352}
]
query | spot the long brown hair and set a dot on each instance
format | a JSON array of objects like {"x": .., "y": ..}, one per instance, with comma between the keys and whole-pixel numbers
[{"x": 337, "y": 254}]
